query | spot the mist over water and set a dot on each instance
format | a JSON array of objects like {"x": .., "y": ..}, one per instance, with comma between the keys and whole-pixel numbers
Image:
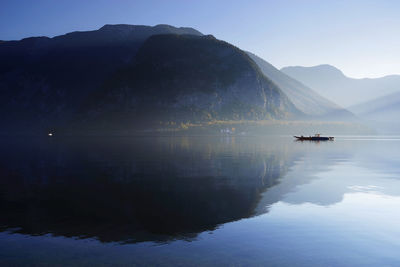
[{"x": 200, "y": 200}]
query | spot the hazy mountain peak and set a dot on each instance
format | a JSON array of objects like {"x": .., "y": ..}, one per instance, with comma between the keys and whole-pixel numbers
[
  {"x": 328, "y": 68},
  {"x": 378, "y": 104},
  {"x": 381, "y": 113},
  {"x": 303, "y": 97},
  {"x": 323, "y": 69},
  {"x": 331, "y": 83}
]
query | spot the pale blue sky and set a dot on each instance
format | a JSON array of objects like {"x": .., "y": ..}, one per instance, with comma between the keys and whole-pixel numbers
[{"x": 362, "y": 38}]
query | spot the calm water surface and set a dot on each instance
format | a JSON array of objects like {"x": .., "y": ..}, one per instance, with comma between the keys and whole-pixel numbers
[{"x": 246, "y": 201}]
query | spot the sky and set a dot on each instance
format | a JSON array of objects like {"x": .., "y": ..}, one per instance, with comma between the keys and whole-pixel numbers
[{"x": 360, "y": 37}]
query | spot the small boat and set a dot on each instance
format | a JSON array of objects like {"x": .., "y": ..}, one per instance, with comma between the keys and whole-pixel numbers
[{"x": 316, "y": 137}]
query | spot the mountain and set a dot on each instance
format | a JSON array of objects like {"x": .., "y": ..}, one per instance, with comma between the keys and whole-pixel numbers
[
  {"x": 331, "y": 83},
  {"x": 124, "y": 77},
  {"x": 117, "y": 42},
  {"x": 188, "y": 78},
  {"x": 303, "y": 97},
  {"x": 381, "y": 113}
]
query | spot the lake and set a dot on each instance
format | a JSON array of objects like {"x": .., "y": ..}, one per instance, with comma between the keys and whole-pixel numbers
[{"x": 243, "y": 201}]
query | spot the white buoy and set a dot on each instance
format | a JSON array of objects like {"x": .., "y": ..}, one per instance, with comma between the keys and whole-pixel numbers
[{"x": 50, "y": 134}]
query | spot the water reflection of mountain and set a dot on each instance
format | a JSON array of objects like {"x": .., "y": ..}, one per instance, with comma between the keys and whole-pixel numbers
[{"x": 131, "y": 190}]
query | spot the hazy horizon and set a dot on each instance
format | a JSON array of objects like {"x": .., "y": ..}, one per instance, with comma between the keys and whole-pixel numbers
[{"x": 358, "y": 37}]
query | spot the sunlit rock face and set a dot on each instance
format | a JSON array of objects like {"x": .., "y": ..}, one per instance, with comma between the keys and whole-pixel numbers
[{"x": 124, "y": 76}]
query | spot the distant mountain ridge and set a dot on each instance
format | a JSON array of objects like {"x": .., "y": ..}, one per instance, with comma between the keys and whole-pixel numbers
[
  {"x": 124, "y": 77},
  {"x": 382, "y": 113},
  {"x": 331, "y": 83},
  {"x": 385, "y": 108},
  {"x": 304, "y": 98}
]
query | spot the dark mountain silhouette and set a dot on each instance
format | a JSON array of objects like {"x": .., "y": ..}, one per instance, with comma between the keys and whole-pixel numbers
[
  {"x": 130, "y": 77},
  {"x": 331, "y": 83},
  {"x": 188, "y": 78},
  {"x": 304, "y": 98}
]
